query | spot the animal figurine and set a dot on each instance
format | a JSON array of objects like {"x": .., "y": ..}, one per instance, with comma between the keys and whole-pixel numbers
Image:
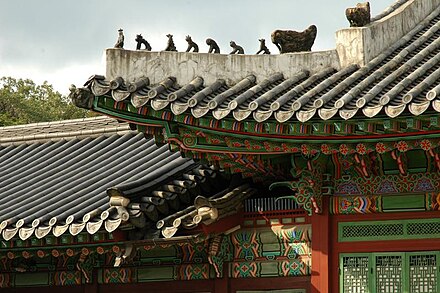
[
  {"x": 213, "y": 47},
  {"x": 191, "y": 45},
  {"x": 81, "y": 97},
  {"x": 359, "y": 15},
  {"x": 236, "y": 48},
  {"x": 293, "y": 41},
  {"x": 170, "y": 45},
  {"x": 141, "y": 41},
  {"x": 120, "y": 41},
  {"x": 263, "y": 47}
]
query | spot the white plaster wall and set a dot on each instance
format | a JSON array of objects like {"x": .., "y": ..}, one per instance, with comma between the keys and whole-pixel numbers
[
  {"x": 350, "y": 46},
  {"x": 132, "y": 65}
]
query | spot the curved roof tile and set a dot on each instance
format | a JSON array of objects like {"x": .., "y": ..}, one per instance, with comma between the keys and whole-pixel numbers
[{"x": 65, "y": 183}]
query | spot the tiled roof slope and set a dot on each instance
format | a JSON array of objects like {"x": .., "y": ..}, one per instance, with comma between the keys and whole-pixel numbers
[
  {"x": 61, "y": 185},
  {"x": 402, "y": 79},
  {"x": 390, "y": 9}
]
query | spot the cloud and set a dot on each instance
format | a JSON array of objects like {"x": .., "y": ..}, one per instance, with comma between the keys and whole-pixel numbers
[{"x": 60, "y": 78}]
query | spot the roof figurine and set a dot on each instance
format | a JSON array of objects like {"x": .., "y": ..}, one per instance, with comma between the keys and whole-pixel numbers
[
  {"x": 141, "y": 41},
  {"x": 263, "y": 47},
  {"x": 80, "y": 97},
  {"x": 213, "y": 47},
  {"x": 170, "y": 45},
  {"x": 191, "y": 44},
  {"x": 393, "y": 83},
  {"x": 293, "y": 41},
  {"x": 120, "y": 41},
  {"x": 359, "y": 15},
  {"x": 236, "y": 48}
]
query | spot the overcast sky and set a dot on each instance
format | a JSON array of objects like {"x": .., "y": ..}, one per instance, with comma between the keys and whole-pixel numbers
[{"x": 63, "y": 41}]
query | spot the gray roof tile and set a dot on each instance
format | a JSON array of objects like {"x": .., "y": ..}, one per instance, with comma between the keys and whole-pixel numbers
[{"x": 59, "y": 185}]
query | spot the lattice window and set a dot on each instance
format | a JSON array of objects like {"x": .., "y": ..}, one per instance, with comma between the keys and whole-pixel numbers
[
  {"x": 413, "y": 272},
  {"x": 389, "y": 274},
  {"x": 423, "y": 273},
  {"x": 355, "y": 272},
  {"x": 389, "y": 230},
  {"x": 362, "y": 231},
  {"x": 428, "y": 228}
]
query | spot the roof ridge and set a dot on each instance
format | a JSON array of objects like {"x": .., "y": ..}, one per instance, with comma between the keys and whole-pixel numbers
[
  {"x": 63, "y": 129},
  {"x": 68, "y": 121},
  {"x": 390, "y": 9},
  {"x": 399, "y": 57}
]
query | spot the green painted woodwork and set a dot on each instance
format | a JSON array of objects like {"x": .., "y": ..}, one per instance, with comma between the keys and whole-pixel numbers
[
  {"x": 279, "y": 250},
  {"x": 261, "y": 150},
  {"x": 389, "y": 230},
  {"x": 418, "y": 160},
  {"x": 434, "y": 121},
  {"x": 335, "y": 126},
  {"x": 390, "y": 165},
  {"x": 286, "y": 220},
  {"x": 269, "y": 269},
  {"x": 270, "y": 244},
  {"x": 66, "y": 239},
  {"x": 354, "y": 273},
  {"x": 261, "y": 222},
  {"x": 157, "y": 273},
  {"x": 381, "y": 185},
  {"x": 393, "y": 203},
  {"x": 31, "y": 279},
  {"x": 165, "y": 252},
  {"x": 365, "y": 204},
  {"x": 273, "y": 291},
  {"x": 307, "y": 182},
  {"x": 50, "y": 240},
  {"x": 249, "y": 223},
  {"x": 423, "y": 272},
  {"x": 98, "y": 237},
  {"x": 107, "y": 106},
  {"x": 35, "y": 242},
  {"x": 389, "y": 272}
]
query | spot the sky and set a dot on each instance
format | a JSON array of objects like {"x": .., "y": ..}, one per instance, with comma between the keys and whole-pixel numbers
[{"x": 62, "y": 42}]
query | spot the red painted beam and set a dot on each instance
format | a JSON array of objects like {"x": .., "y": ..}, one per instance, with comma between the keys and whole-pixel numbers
[
  {"x": 270, "y": 283},
  {"x": 164, "y": 286},
  {"x": 224, "y": 224}
]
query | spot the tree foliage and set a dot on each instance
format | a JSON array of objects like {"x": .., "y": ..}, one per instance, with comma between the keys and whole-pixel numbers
[{"x": 22, "y": 101}]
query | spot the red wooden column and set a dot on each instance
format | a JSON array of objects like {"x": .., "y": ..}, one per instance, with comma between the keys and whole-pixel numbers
[
  {"x": 93, "y": 287},
  {"x": 320, "y": 281},
  {"x": 221, "y": 285}
]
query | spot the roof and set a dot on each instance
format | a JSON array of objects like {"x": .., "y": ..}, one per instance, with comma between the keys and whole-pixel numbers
[
  {"x": 64, "y": 129},
  {"x": 92, "y": 174},
  {"x": 401, "y": 80}
]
